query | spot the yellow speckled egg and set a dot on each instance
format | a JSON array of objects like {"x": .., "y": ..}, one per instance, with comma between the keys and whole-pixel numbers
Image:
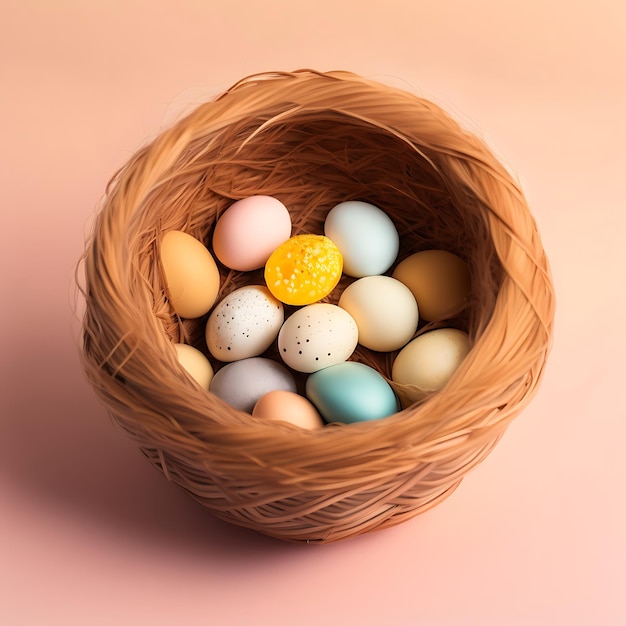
[
  {"x": 303, "y": 269},
  {"x": 191, "y": 274}
]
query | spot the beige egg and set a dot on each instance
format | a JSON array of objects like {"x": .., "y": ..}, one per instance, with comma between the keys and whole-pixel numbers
[
  {"x": 287, "y": 406},
  {"x": 195, "y": 364},
  {"x": 439, "y": 280},
  {"x": 191, "y": 274},
  {"x": 430, "y": 360}
]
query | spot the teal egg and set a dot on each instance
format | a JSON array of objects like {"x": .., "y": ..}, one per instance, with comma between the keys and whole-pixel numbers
[{"x": 351, "y": 392}]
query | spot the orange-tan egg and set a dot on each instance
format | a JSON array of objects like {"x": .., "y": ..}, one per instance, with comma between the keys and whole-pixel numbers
[{"x": 191, "y": 274}]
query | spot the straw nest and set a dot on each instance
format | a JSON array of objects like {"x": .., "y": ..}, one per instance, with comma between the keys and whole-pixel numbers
[{"x": 314, "y": 139}]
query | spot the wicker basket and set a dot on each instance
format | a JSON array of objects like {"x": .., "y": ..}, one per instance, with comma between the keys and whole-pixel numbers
[{"x": 312, "y": 140}]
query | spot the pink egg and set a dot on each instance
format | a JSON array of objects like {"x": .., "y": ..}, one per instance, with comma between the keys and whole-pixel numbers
[{"x": 249, "y": 231}]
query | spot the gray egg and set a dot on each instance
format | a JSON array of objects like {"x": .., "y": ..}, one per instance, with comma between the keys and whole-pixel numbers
[{"x": 242, "y": 383}]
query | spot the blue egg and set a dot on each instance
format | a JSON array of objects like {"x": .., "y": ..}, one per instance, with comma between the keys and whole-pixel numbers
[{"x": 351, "y": 392}]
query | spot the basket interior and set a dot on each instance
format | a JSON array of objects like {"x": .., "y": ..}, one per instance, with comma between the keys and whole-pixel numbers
[{"x": 311, "y": 163}]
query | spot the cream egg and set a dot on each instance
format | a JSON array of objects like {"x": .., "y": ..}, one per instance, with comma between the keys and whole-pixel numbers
[
  {"x": 316, "y": 336},
  {"x": 244, "y": 323},
  {"x": 384, "y": 309},
  {"x": 191, "y": 275}
]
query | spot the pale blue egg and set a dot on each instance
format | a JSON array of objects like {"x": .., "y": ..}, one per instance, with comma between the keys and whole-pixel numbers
[
  {"x": 351, "y": 392},
  {"x": 365, "y": 235}
]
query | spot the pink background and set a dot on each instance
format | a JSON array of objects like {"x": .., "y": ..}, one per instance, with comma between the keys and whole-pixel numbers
[{"x": 91, "y": 534}]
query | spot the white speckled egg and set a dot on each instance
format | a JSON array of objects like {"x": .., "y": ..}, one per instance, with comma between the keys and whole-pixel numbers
[
  {"x": 316, "y": 336},
  {"x": 244, "y": 323}
]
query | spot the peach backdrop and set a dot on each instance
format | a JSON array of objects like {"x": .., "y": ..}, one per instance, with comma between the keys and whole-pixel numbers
[{"x": 91, "y": 534}]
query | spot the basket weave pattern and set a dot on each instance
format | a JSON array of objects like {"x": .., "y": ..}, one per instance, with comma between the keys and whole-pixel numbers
[{"x": 312, "y": 140}]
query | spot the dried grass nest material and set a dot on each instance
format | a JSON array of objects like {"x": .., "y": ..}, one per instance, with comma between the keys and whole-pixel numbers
[{"x": 314, "y": 139}]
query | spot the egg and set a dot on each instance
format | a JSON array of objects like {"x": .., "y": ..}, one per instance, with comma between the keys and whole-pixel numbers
[
  {"x": 244, "y": 323},
  {"x": 192, "y": 279},
  {"x": 316, "y": 336},
  {"x": 429, "y": 361},
  {"x": 286, "y": 406},
  {"x": 351, "y": 392},
  {"x": 195, "y": 364},
  {"x": 439, "y": 280},
  {"x": 242, "y": 383},
  {"x": 303, "y": 269},
  {"x": 384, "y": 309},
  {"x": 249, "y": 230},
  {"x": 365, "y": 235}
]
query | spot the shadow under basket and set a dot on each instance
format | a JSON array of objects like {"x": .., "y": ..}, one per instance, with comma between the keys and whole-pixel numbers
[{"x": 312, "y": 140}]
